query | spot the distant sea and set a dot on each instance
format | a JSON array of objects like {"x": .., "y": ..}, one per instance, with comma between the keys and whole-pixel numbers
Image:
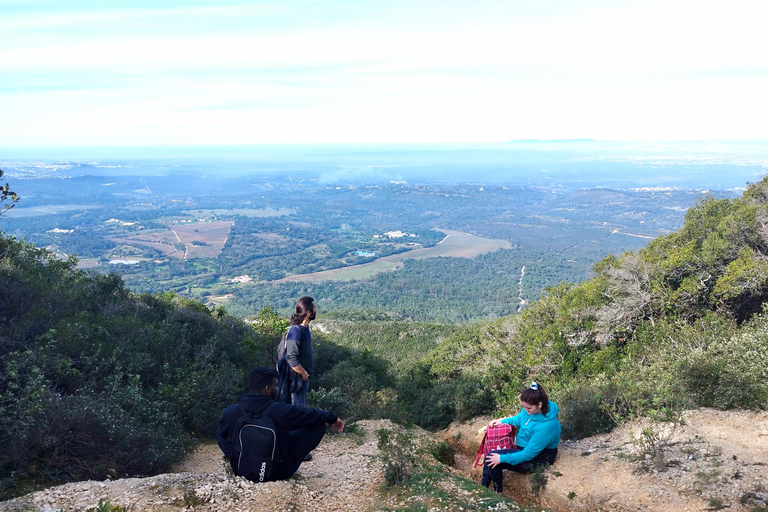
[{"x": 581, "y": 163}]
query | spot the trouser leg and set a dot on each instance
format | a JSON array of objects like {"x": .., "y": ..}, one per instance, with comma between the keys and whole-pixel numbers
[
  {"x": 300, "y": 443},
  {"x": 497, "y": 476},
  {"x": 494, "y": 474},
  {"x": 486, "y": 480},
  {"x": 305, "y": 440},
  {"x": 300, "y": 398}
]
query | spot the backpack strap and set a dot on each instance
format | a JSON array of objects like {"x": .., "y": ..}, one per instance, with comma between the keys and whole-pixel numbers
[
  {"x": 481, "y": 451},
  {"x": 282, "y": 347}
]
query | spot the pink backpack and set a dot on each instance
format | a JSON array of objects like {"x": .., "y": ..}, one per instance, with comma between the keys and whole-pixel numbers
[{"x": 499, "y": 437}]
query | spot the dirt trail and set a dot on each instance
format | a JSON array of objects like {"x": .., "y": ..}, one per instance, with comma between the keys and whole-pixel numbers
[
  {"x": 717, "y": 459},
  {"x": 344, "y": 475}
]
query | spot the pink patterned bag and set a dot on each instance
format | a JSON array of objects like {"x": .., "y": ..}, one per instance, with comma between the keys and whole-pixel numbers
[{"x": 499, "y": 437}]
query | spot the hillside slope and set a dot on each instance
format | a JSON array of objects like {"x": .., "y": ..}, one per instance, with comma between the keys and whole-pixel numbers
[
  {"x": 716, "y": 460},
  {"x": 345, "y": 474}
]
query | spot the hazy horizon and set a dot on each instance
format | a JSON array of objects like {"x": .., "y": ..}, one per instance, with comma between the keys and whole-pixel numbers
[{"x": 574, "y": 164}]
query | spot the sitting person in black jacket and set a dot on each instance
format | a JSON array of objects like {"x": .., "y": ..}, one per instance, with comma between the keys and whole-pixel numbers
[{"x": 299, "y": 429}]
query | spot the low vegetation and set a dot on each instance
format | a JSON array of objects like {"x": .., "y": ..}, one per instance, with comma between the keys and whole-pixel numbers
[{"x": 96, "y": 380}]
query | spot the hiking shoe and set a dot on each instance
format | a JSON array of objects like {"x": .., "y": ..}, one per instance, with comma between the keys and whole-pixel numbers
[{"x": 308, "y": 457}]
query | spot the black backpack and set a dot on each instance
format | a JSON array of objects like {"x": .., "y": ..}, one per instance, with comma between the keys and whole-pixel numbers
[{"x": 254, "y": 448}]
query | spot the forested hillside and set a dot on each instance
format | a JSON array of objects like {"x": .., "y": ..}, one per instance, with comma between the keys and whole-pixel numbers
[
  {"x": 98, "y": 381},
  {"x": 678, "y": 324}
]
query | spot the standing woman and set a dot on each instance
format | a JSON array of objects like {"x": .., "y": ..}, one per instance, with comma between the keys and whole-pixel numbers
[
  {"x": 299, "y": 346},
  {"x": 538, "y": 435}
]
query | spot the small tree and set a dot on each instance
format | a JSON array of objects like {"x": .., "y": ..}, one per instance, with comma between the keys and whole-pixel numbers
[
  {"x": 398, "y": 452},
  {"x": 7, "y": 195}
]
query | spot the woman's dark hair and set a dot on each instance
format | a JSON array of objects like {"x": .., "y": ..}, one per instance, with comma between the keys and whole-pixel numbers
[
  {"x": 304, "y": 307},
  {"x": 534, "y": 394},
  {"x": 261, "y": 377}
]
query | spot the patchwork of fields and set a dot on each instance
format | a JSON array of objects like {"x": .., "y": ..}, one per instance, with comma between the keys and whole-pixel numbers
[
  {"x": 200, "y": 240},
  {"x": 245, "y": 212},
  {"x": 455, "y": 245}
]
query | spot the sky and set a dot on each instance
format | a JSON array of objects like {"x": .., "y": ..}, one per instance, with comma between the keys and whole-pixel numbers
[{"x": 138, "y": 73}]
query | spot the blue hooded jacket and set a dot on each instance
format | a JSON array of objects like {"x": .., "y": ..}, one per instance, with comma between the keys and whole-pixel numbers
[{"x": 534, "y": 434}]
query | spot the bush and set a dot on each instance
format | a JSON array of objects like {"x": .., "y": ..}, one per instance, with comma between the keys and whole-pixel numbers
[
  {"x": 729, "y": 374},
  {"x": 583, "y": 413},
  {"x": 95, "y": 378},
  {"x": 537, "y": 479},
  {"x": 444, "y": 453},
  {"x": 334, "y": 400},
  {"x": 398, "y": 452},
  {"x": 711, "y": 383}
]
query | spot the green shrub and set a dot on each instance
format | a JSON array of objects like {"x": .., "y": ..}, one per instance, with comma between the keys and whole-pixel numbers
[
  {"x": 583, "y": 412},
  {"x": 94, "y": 378},
  {"x": 334, "y": 400},
  {"x": 355, "y": 383},
  {"x": 729, "y": 372},
  {"x": 105, "y": 506},
  {"x": 537, "y": 479},
  {"x": 398, "y": 452},
  {"x": 444, "y": 453}
]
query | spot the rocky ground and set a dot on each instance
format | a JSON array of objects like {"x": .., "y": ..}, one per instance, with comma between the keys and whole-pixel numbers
[
  {"x": 715, "y": 460},
  {"x": 346, "y": 474}
]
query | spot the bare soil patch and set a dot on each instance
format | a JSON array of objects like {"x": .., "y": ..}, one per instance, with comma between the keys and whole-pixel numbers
[{"x": 717, "y": 460}]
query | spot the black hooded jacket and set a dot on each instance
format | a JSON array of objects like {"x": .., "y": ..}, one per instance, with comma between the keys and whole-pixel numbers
[{"x": 286, "y": 418}]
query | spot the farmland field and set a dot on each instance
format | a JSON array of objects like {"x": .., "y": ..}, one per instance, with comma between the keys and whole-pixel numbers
[
  {"x": 201, "y": 240},
  {"x": 36, "y": 211},
  {"x": 161, "y": 245},
  {"x": 212, "y": 234},
  {"x": 455, "y": 245},
  {"x": 245, "y": 212},
  {"x": 162, "y": 240}
]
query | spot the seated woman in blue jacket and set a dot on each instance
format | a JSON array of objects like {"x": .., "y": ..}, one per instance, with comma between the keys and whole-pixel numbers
[{"x": 538, "y": 435}]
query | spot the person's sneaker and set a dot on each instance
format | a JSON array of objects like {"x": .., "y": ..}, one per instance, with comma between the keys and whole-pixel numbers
[{"x": 308, "y": 457}]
